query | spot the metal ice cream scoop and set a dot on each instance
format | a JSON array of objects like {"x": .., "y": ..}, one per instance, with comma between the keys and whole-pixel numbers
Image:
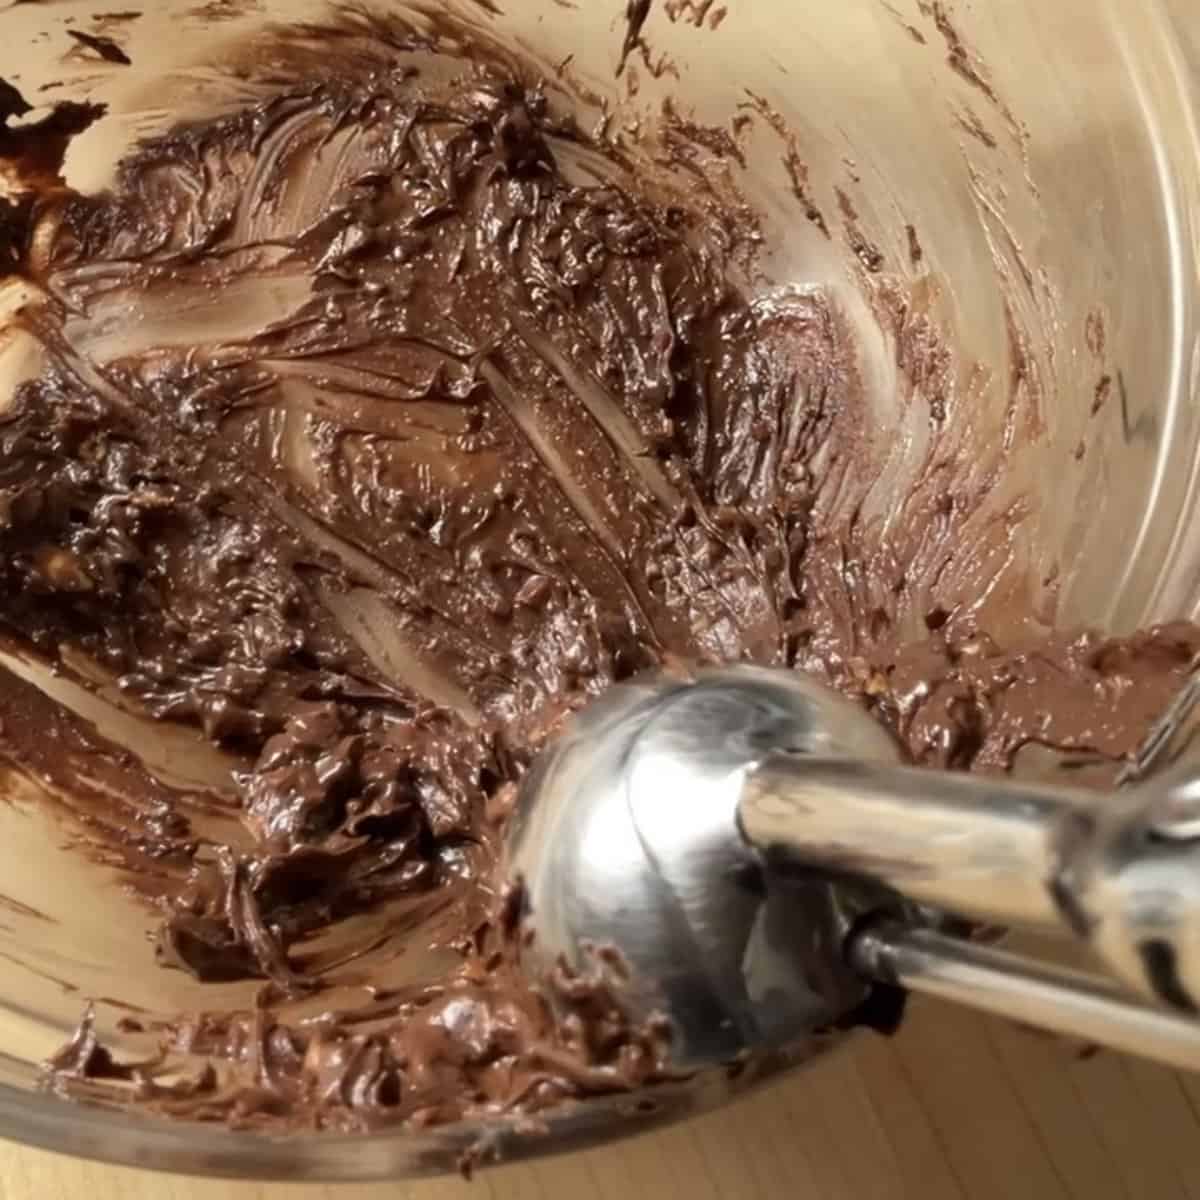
[{"x": 752, "y": 848}]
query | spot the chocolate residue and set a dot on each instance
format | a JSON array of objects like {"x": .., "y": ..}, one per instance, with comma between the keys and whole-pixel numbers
[
  {"x": 32, "y": 153},
  {"x": 969, "y": 122},
  {"x": 860, "y": 245},
  {"x": 958, "y": 54},
  {"x": 22, "y": 910},
  {"x": 122, "y": 16},
  {"x": 418, "y": 445},
  {"x": 969, "y": 66},
  {"x": 637, "y": 12},
  {"x": 792, "y": 159},
  {"x": 1095, "y": 334},
  {"x": 695, "y": 12},
  {"x": 220, "y": 10},
  {"x": 104, "y": 47},
  {"x": 916, "y": 252},
  {"x": 913, "y": 32}
]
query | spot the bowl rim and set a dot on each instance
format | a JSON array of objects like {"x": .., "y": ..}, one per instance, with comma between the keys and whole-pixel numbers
[{"x": 131, "y": 1138}]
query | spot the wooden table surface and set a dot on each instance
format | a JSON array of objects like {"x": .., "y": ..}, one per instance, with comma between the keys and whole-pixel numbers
[{"x": 956, "y": 1106}]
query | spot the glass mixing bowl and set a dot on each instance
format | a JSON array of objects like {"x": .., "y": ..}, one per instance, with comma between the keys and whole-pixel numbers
[{"x": 1029, "y": 171}]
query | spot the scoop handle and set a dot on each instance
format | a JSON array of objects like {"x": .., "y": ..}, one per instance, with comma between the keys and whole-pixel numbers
[
  {"x": 1097, "y": 868},
  {"x": 1054, "y": 999}
]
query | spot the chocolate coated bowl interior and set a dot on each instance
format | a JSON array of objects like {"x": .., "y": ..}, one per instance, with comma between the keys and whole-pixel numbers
[{"x": 374, "y": 397}]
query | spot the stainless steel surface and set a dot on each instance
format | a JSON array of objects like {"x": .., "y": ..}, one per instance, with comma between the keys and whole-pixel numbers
[
  {"x": 626, "y": 835},
  {"x": 977, "y": 846},
  {"x": 1134, "y": 885},
  {"x": 728, "y": 837},
  {"x": 1046, "y": 997},
  {"x": 1121, "y": 875}
]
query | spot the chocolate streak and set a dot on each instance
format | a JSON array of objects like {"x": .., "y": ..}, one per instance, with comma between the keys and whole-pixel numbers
[{"x": 369, "y": 444}]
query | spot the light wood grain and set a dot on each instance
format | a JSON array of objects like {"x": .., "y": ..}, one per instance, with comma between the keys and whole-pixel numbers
[{"x": 955, "y": 1108}]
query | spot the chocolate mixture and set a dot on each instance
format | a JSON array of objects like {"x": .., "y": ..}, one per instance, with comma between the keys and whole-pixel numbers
[{"x": 371, "y": 437}]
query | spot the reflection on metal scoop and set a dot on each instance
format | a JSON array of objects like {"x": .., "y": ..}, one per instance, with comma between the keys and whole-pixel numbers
[{"x": 753, "y": 848}]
